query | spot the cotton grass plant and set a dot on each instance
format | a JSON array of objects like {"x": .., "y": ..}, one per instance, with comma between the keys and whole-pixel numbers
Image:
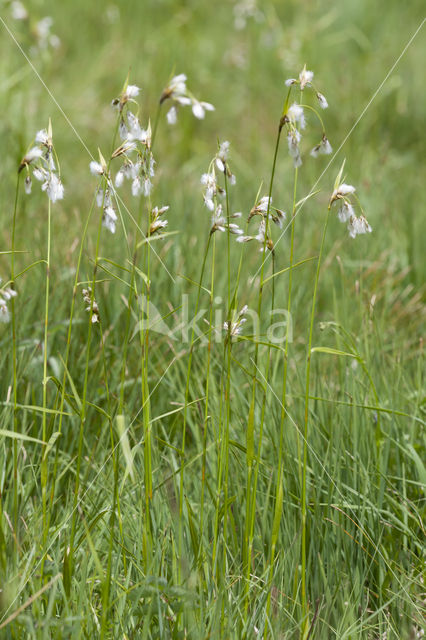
[{"x": 206, "y": 487}]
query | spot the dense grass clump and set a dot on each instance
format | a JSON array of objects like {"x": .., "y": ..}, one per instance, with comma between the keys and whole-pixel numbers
[{"x": 211, "y": 306}]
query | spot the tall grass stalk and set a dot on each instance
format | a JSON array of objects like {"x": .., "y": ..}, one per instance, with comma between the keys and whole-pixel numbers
[
  {"x": 221, "y": 455},
  {"x": 304, "y": 601},
  {"x": 146, "y": 402},
  {"x": 250, "y": 487},
  {"x": 83, "y": 408},
  {"x": 279, "y": 488},
  {"x": 45, "y": 379},
  {"x": 106, "y": 586},
  {"x": 69, "y": 554},
  {"x": 185, "y": 412},
  {"x": 207, "y": 420},
  {"x": 66, "y": 371},
  {"x": 144, "y": 345},
  {"x": 146, "y": 405},
  {"x": 227, "y": 359},
  {"x": 14, "y": 369}
]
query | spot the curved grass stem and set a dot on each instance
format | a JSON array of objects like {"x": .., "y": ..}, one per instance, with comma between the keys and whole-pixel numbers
[{"x": 304, "y": 600}]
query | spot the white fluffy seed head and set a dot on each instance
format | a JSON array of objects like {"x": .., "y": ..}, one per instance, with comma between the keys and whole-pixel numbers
[
  {"x": 172, "y": 115},
  {"x": 322, "y": 100},
  {"x": 96, "y": 168},
  {"x": 305, "y": 78},
  {"x": 132, "y": 91}
]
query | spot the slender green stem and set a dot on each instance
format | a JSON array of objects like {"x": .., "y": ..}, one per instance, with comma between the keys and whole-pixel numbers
[
  {"x": 305, "y": 608},
  {"x": 83, "y": 409},
  {"x": 146, "y": 408},
  {"x": 205, "y": 431},
  {"x": 45, "y": 357},
  {"x": 307, "y": 106},
  {"x": 278, "y": 507},
  {"x": 66, "y": 364},
  {"x": 185, "y": 411},
  {"x": 146, "y": 405},
  {"x": 228, "y": 347},
  {"x": 261, "y": 428},
  {"x": 250, "y": 427},
  {"x": 14, "y": 366},
  {"x": 107, "y": 580}
]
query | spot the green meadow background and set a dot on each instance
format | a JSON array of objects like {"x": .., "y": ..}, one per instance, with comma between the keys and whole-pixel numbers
[{"x": 365, "y": 483}]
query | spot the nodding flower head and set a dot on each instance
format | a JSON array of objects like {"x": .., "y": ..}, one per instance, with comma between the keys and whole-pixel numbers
[
  {"x": 342, "y": 191},
  {"x": 221, "y": 161},
  {"x": 138, "y": 163},
  {"x": 105, "y": 194},
  {"x": 130, "y": 131},
  {"x": 263, "y": 239},
  {"x": 324, "y": 147},
  {"x": 296, "y": 115},
  {"x": 157, "y": 222},
  {"x": 104, "y": 199},
  {"x": 96, "y": 168},
  {"x": 358, "y": 226},
  {"x": 322, "y": 100},
  {"x": 129, "y": 93},
  {"x": 222, "y": 155},
  {"x": 264, "y": 209},
  {"x": 220, "y": 222},
  {"x": 261, "y": 207},
  {"x": 42, "y": 159},
  {"x": 305, "y": 80},
  {"x": 176, "y": 89},
  {"x": 178, "y": 93},
  {"x": 294, "y": 118},
  {"x": 234, "y": 327},
  {"x": 92, "y": 305},
  {"x": 6, "y": 293},
  {"x": 213, "y": 190},
  {"x": 293, "y": 139},
  {"x": 199, "y": 108}
]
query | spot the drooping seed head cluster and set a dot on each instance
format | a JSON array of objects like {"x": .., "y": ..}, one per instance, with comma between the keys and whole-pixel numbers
[
  {"x": 92, "y": 307},
  {"x": 234, "y": 327},
  {"x": 129, "y": 93},
  {"x": 177, "y": 92},
  {"x": 137, "y": 161},
  {"x": 295, "y": 121},
  {"x": 357, "y": 225},
  {"x": 264, "y": 209},
  {"x": 6, "y": 293},
  {"x": 41, "y": 158},
  {"x": 138, "y": 164},
  {"x": 105, "y": 194},
  {"x": 157, "y": 221},
  {"x": 213, "y": 190},
  {"x": 305, "y": 80}
]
